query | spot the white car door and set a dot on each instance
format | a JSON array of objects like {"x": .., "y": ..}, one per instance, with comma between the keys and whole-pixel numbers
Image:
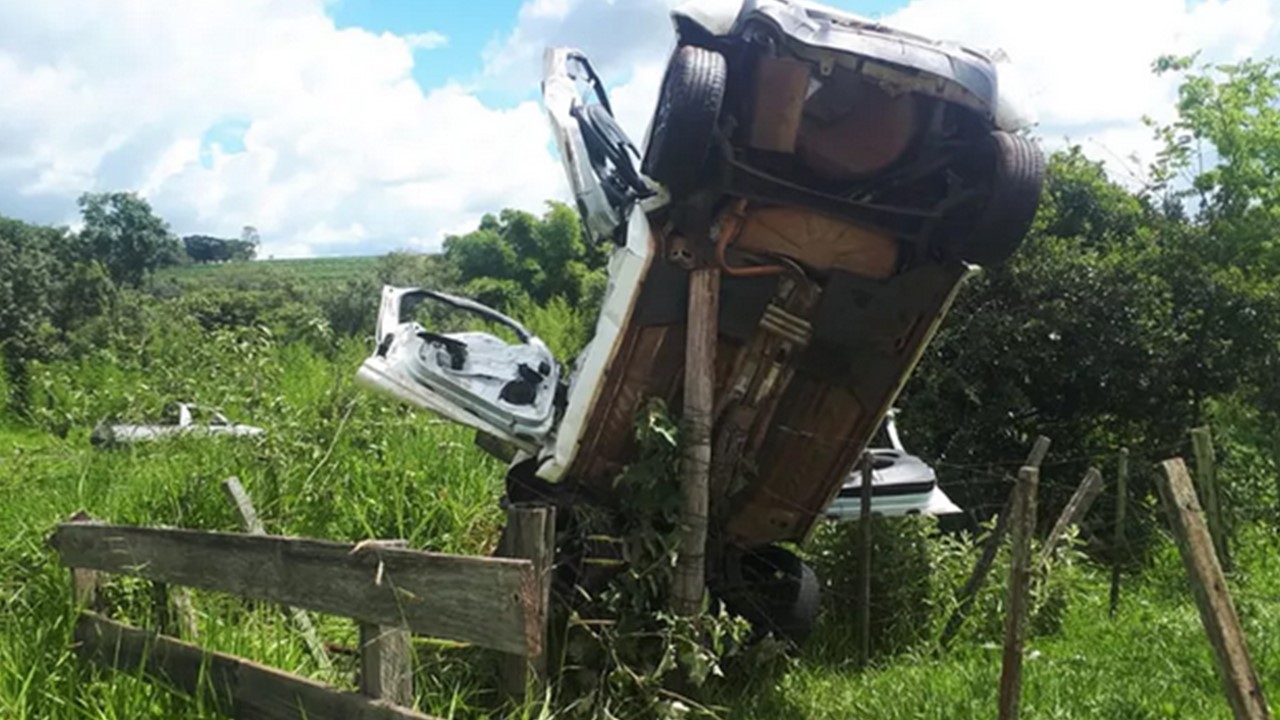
[
  {"x": 600, "y": 161},
  {"x": 503, "y": 389}
]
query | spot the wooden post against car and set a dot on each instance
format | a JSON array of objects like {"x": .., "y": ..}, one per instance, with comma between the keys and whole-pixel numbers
[
  {"x": 1077, "y": 507},
  {"x": 864, "y": 563},
  {"x": 1119, "y": 544},
  {"x": 1207, "y": 480},
  {"x": 530, "y": 534},
  {"x": 695, "y": 468},
  {"x": 1209, "y": 587},
  {"x": 982, "y": 568},
  {"x": 1023, "y": 525}
]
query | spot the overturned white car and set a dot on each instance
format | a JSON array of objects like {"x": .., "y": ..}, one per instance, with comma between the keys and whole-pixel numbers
[{"x": 844, "y": 177}]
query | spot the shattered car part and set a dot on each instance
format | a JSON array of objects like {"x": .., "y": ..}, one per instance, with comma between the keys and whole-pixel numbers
[
  {"x": 506, "y": 390},
  {"x": 181, "y": 420}
]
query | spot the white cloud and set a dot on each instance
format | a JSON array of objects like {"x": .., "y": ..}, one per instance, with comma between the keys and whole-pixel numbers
[
  {"x": 618, "y": 36},
  {"x": 1086, "y": 64},
  {"x": 343, "y": 151},
  {"x": 429, "y": 40},
  {"x": 1083, "y": 65}
]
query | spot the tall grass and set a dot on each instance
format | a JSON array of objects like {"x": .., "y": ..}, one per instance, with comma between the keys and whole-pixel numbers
[
  {"x": 336, "y": 463},
  {"x": 340, "y": 463}
]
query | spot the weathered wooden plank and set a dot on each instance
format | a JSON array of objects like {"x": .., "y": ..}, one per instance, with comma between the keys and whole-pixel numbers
[
  {"x": 84, "y": 583},
  {"x": 1119, "y": 543},
  {"x": 235, "y": 686},
  {"x": 529, "y": 534},
  {"x": 981, "y": 569},
  {"x": 1209, "y": 586},
  {"x": 689, "y": 584},
  {"x": 1077, "y": 507},
  {"x": 386, "y": 663},
  {"x": 173, "y": 612},
  {"x": 1207, "y": 480},
  {"x": 864, "y": 563},
  {"x": 1039, "y": 449},
  {"x": 236, "y": 493},
  {"x": 1023, "y": 525},
  {"x": 490, "y": 602}
]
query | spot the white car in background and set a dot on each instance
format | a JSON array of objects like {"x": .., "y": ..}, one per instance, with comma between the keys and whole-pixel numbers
[
  {"x": 901, "y": 484},
  {"x": 179, "y": 420}
]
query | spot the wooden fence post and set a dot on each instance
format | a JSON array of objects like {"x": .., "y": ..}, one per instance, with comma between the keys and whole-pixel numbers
[
  {"x": 1209, "y": 586},
  {"x": 701, "y": 334},
  {"x": 1023, "y": 523},
  {"x": 1207, "y": 480},
  {"x": 84, "y": 583},
  {"x": 981, "y": 569},
  {"x": 864, "y": 563},
  {"x": 386, "y": 663},
  {"x": 235, "y": 492},
  {"x": 1119, "y": 544},
  {"x": 530, "y": 534},
  {"x": 1076, "y": 509}
]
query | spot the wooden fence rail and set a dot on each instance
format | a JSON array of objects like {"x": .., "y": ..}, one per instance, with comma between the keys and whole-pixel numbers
[
  {"x": 491, "y": 602},
  {"x": 234, "y": 686},
  {"x": 391, "y": 591}
]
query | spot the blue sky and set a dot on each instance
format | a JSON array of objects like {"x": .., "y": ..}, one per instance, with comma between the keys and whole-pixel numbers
[
  {"x": 362, "y": 126},
  {"x": 471, "y": 27}
]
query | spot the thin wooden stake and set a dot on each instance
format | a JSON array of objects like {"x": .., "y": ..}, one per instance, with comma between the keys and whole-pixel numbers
[
  {"x": 1209, "y": 586},
  {"x": 1120, "y": 545},
  {"x": 235, "y": 492},
  {"x": 1023, "y": 523},
  {"x": 981, "y": 569},
  {"x": 530, "y": 534},
  {"x": 1207, "y": 480},
  {"x": 864, "y": 564},
  {"x": 1081, "y": 500},
  {"x": 689, "y": 584}
]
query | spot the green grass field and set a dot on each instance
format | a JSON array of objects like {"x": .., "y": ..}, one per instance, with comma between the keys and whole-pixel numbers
[
  {"x": 339, "y": 463},
  {"x": 329, "y": 268}
]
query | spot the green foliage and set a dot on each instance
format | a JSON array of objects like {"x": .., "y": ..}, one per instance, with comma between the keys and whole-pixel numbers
[
  {"x": 122, "y": 233},
  {"x": 624, "y": 651},
  {"x": 517, "y": 254},
  {"x": 206, "y": 249}
]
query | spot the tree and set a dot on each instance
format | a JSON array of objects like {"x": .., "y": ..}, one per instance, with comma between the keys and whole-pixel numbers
[
  {"x": 122, "y": 233},
  {"x": 517, "y": 253}
]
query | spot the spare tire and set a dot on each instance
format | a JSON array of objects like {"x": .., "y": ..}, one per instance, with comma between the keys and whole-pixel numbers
[
  {"x": 990, "y": 234},
  {"x": 685, "y": 118}
]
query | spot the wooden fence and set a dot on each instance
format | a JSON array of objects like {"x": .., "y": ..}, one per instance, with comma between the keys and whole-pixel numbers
[{"x": 391, "y": 591}]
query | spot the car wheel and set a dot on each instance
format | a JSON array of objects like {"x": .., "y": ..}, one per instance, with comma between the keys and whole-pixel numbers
[
  {"x": 774, "y": 590},
  {"x": 685, "y": 119},
  {"x": 991, "y": 234}
]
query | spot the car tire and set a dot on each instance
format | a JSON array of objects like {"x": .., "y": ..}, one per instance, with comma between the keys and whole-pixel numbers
[
  {"x": 1016, "y": 167},
  {"x": 775, "y": 591},
  {"x": 685, "y": 118}
]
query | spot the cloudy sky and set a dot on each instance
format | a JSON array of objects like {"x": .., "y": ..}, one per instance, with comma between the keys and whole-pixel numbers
[{"x": 361, "y": 126}]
